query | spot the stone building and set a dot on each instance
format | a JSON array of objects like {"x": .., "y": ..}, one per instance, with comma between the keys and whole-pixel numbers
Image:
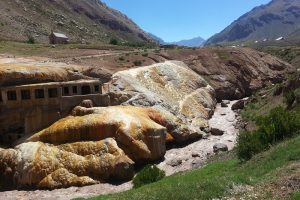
[
  {"x": 26, "y": 109},
  {"x": 58, "y": 38}
]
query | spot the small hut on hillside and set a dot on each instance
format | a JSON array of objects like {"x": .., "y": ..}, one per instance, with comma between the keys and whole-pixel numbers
[{"x": 58, "y": 38}]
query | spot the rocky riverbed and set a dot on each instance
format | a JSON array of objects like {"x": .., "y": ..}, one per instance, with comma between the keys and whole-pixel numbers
[{"x": 176, "y": 160}]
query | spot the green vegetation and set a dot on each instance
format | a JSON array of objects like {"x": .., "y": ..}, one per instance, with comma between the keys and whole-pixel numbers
[
  {"x": 121, "y": 58},
  {"x": 114, "y": 41},
  {"x": 277, "y": 126},
  {"x": 295, "y": 196},
  {"x": 217, "y": 179},
  {"x": 145, "y": 54},
  {"x": 148, "y": 174},
  {"x": 277, "y": 89},
  {"x": 30, "y": 39},
  {"x": 289, "y": 98},
  {"x": 137, "y": 63}
]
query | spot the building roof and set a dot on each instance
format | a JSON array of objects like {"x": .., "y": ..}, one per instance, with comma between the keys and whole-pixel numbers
[
  {"x": 60, "y": 35},
  {"x": 55, "y": 84}
]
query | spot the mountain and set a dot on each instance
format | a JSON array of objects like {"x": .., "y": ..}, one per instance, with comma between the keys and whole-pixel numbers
[
  {"x": 80, "y": 20},
  {"x": 157, "y": 39},
  {"x": 195, "y": 42},
  {"x": 276, "y": 19}
]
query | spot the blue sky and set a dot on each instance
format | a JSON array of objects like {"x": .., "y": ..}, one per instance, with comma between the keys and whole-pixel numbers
[{"x": 174, "y": 20}]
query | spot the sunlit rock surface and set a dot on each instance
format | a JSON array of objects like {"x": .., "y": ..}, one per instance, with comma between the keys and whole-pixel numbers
[
  {"x": 170, "y": 87},
  {"x": 135, "y": 129},
  {"x": 36, "y": 164}
]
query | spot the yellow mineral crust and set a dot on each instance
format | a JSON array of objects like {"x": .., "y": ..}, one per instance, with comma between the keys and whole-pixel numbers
[
  {"x": 36, "y": 164},
  {"x": 135, "y": 129}
]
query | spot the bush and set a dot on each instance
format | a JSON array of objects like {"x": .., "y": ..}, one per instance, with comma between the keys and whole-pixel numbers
[
  {"x": 137, "y": 63},
  {"x": 145, "y": 54},
  {"x": 277, "y": 126},
  {"x": 114, "y": 41},
  {"x": 30, "y": 39},
  {"x": 248, "y": 145},
  {"x": 290, "y": 98},
  {"x": 278, "y": 89},
  {"x": 149, "y": 174},
  {"x": 122, "y": 58}
]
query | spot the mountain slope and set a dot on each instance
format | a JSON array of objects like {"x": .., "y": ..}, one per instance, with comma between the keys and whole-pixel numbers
[
  {"x": 81, "y": 20},
  {"x": 195, "y": 42},
  {"x": 276, "y": 19}
]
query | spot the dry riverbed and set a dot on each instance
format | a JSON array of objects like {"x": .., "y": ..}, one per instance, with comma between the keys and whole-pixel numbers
[{"x": 176, "y": 160}]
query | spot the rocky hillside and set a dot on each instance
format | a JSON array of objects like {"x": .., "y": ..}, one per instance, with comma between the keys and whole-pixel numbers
[
  {"x": 276, "y": 19},
  {"x": 81, "y": 20},
  {"x": 234, "y": 73}
]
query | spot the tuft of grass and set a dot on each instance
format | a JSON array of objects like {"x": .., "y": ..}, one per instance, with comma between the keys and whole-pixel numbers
[
  {"x": 295, "y": 196},
  {"x": 289, "y": 98},
  {"x": 30, "y": 39},
  {"x": 149, "y": 174},
  {"x": 137, "y": 63}
]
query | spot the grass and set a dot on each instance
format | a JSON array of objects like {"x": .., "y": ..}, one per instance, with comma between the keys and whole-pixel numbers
[{"x": 216, "y": 179}]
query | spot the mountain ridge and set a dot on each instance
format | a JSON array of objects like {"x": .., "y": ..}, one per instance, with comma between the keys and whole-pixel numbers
[
  {"x": 279, "y": 18},
  {"x": 81, "y": 21},
  {"x": 194, "y": 42}
]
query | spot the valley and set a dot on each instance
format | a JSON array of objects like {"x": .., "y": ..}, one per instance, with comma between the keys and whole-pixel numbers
[{"x": 94, "y": 107}]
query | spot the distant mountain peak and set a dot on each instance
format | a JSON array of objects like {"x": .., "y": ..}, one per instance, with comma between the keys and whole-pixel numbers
[{"x": 194, "y": 42}]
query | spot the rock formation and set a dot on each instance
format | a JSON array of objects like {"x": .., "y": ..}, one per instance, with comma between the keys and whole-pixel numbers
[
  {"x": 172, "y": 88},
  {"x": 25, "y": 71},
  {"x": 36, "y": 164},
  {"x": 135, "y": 129},
  {"x": 234, "y": 73}
]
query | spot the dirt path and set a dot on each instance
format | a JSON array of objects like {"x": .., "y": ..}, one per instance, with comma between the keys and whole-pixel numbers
[{"x": 176, "y": 160}]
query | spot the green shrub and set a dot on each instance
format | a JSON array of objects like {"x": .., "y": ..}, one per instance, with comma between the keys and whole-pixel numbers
[
  {"x": 30, "y": 39},
  {"x": 122, "y": 58},
  {"x": 289, "y": 97},
  {"x": 248, "y": 145},
  {"x": 113, "y": 41},
  {"x": 145, "y": 54},
  {"x": 149, "y": 174},
  {"x": 277, "y": 126},
  {"x": 137, "y": 63},
  {"x": 277, "y": 89}
]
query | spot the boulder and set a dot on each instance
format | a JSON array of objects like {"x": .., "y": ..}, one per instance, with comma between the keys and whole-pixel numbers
[
  {"x": 220, "y": 147},
  {"x": 224, "y": 105},
  {"x": 172, "y": 88},
  {"x": 197, "y": 163},
  {"x": 226, "y": 102},
  {"x": 40, "y": 165},
  {"x": 87, "y": 103},
  {"x": 217, "y": 132},
  {"x": 238, "y": 105},
  {"x": 140, "y": 132},
  {"x": 175, "y": 162}
]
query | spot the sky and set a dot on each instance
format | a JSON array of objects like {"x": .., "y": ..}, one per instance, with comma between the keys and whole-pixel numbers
[{"x": 174, "y": 20}]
